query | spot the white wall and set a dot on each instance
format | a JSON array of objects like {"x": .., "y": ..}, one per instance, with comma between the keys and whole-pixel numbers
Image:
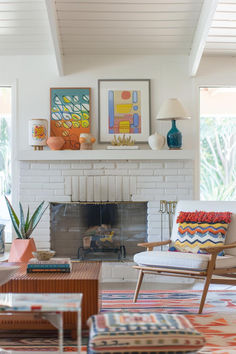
[
  {"x": 36, "y": 74},
  {"x": 217, "y": 71}
]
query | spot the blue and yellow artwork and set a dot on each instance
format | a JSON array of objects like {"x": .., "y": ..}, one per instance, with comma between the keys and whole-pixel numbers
[
  {"x": 124, "y": 110},
  {"x": 70, "y": 114}
]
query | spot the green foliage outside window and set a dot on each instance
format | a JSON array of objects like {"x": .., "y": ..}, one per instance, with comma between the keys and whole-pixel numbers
[
  {"x": 5, "y": 158},
  {"x": 218, "y": 158}
]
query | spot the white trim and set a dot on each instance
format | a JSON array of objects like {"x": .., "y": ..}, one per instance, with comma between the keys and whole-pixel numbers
[
  {"x": 52, "y": 18},
  {"x": 201, "y": 34},
  {"x": 90, "y": 155},
  {"x": 14, "y": 142},
  {"x": 197, "y": 144},
  {"x": 15, "y": 145}
]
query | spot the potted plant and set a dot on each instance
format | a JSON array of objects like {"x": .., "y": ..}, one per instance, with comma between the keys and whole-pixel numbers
[{"x": 23, "y": 246}]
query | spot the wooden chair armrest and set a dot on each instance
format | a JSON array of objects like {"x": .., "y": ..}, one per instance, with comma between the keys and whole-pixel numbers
[
  {"x": 218, "y": 249},
  {"x": 150, "y": 245}
]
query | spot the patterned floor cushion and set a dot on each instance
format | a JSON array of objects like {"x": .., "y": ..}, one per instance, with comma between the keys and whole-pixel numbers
[{"x": 142, "y": 333}]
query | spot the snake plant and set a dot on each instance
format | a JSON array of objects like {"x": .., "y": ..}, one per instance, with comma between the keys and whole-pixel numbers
[{"x": 25, "y": 226}]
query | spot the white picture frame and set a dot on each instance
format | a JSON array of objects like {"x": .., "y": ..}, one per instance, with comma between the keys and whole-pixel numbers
[{"x": 117, "y": 102}]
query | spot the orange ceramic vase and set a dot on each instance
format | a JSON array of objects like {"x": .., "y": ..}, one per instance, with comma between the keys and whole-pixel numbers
[
  {"x": 55, "y": 142},
  {"x": 21, "y": 250}
]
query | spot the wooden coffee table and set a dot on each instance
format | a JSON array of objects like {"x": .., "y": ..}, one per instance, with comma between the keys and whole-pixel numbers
[{"x": 84, "y": 279}]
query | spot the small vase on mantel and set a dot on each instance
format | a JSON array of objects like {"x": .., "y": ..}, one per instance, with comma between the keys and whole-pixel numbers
[{"x": 156, "y": 141}]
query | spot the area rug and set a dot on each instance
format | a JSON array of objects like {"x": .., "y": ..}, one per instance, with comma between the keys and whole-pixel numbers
[
  {"x": 218, "y": 323},
  {"x": 181, "y": 301}
]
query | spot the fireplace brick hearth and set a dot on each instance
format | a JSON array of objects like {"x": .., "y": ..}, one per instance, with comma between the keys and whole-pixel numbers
[{"x": 62, "y": 181}]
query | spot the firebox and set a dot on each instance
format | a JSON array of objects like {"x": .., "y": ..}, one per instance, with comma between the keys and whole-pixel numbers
[{"x": 98, "y": 231}]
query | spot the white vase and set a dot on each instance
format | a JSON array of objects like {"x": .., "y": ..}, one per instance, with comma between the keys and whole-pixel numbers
[
  {"x": 38, "y": 133},
  {"x": 156, "y": 141}
]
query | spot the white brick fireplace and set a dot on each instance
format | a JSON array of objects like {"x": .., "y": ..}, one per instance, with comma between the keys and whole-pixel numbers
[{"x": 72, "y": 180}]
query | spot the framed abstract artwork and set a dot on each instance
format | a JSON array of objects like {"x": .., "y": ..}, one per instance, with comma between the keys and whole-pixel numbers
[
  {"x": 70, "y": 114},
  {"x": 124, "y": 108}
]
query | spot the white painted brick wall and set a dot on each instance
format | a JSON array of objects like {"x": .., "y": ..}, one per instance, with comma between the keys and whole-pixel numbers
[{"x": 149, "y": 181}]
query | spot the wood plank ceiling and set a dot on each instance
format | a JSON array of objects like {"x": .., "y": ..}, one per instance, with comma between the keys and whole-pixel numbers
[
  {"x": 127, "y": 26},
  {"x": 113, "y": 27},
  {"x": 222, "y": 35},
  {"x": 24, "y": 28}
]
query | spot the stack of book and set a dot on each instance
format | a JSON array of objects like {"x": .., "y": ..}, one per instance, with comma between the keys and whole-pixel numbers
[{"x": 54, "y": 265}]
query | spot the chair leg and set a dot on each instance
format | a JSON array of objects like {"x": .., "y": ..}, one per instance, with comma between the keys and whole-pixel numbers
[
  {"x": 210, "y": 269},
  {"x": 138, "y": 286}
]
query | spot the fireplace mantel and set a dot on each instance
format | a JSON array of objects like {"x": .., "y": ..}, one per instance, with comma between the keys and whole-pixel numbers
[{"x": 77, "y": 155}]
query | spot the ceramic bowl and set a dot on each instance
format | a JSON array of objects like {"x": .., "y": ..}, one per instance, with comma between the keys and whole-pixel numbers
[{"x": 43, "y": 255}]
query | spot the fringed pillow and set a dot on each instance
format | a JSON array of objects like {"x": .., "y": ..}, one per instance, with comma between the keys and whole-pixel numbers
[{"x": 201, "y": 229}]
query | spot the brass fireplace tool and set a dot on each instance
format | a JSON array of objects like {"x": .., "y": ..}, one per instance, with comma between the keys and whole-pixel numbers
[{"x": 167, "y": 207}]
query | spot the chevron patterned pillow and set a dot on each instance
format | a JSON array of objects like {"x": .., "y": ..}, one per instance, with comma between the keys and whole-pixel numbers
[{"x": 200, "y": 230}]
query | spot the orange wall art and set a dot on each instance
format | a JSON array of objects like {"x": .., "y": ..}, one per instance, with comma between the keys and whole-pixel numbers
[{"x": 70, "y": 114}]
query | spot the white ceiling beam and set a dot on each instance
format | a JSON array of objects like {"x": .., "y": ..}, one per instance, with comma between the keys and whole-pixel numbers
[
  {"x": 52, "y": 17},
  {"x": 201, "y": 34}
]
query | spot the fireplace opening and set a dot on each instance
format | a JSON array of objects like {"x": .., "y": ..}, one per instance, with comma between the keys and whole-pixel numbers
[{"x": 98, "y": 231}]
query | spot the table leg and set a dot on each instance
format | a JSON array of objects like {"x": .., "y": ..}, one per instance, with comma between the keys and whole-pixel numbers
[
  {"x": 79, "y": 344},
  {"x": 56, "y": 319}
]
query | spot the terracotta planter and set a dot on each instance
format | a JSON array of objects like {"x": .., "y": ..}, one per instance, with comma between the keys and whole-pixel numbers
[
  {"x": 21, "y": 250},
  {"x": 55, "y": 142}
]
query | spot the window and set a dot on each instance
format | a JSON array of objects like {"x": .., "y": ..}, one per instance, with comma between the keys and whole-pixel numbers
[
  {"x": 217, "y": 143},
  {"x": 5, "y": 157}
]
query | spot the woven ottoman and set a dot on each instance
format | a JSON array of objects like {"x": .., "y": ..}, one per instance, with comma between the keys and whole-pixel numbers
[{"x": 142, "y": 333}]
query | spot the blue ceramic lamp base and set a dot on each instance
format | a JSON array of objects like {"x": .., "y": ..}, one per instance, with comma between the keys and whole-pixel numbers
[{"x": 174, "y": 137}]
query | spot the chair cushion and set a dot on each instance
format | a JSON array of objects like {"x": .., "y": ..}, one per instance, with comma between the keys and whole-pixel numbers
[
  {"x": 181, "y": 260},
  {"x": 142, "y": 332},
  {"x": 219, "y": 206},
  {"x": 200, "y": 229}
]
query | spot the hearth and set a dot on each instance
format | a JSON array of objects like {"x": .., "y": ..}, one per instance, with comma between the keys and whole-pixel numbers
[{"x": 98, "y": 230}]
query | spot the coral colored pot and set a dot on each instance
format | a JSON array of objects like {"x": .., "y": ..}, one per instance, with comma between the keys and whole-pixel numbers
[
  {"x": 55, "y": 142},
  {"x": 21, "y": 250}
]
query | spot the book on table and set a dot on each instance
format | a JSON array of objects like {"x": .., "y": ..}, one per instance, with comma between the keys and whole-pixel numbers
[{"x": 62, "y": 265}]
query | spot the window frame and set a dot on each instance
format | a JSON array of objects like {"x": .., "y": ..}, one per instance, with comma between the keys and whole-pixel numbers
[
  {"x": 14, "y": 147},
  {"x": 198, "y": 155}
]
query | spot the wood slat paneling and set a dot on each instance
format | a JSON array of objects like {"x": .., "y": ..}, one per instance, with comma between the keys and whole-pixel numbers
[
  {"x": 22, "y": 6},
  {"x": 221, "y": 45},
  {"x": 126, "y": 32},
  {"x": 25, "y": 23},
  {"x": 127, "y": 51},
  {"x": 24, "y": 28},
  {"x": 89, "y": 15},
  {"x": 129, "y": 1},
  {"x": 29, "y": 15},
  {"x": 222, "y": 39},
  {"x": 222, "y": 31},
  {"x": 222, "y": 34},
  {"x": 129, "y": 39},
  {"x": 226, "y": 24},
  {"x": 130, "y": 45},
  {"x": 70, "y": 24},
  {"x": 116, "y": 7}
]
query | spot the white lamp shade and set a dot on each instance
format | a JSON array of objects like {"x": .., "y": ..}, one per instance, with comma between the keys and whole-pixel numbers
[{"x": 172, "y": 109}]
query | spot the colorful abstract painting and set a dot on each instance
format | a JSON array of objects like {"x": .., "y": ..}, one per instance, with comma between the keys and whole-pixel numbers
[
  {"x": 124, "y": 112},
  {"x": 70, "y": 114},
  {"x": 124, "y": 108}
]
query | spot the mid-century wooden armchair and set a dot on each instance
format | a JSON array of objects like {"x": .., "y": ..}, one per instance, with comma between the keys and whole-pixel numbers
[{"x": 197, "y": 266}]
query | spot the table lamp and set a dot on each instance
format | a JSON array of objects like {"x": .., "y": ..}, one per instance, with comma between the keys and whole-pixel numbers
[{"x": 173, "y": 110}]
